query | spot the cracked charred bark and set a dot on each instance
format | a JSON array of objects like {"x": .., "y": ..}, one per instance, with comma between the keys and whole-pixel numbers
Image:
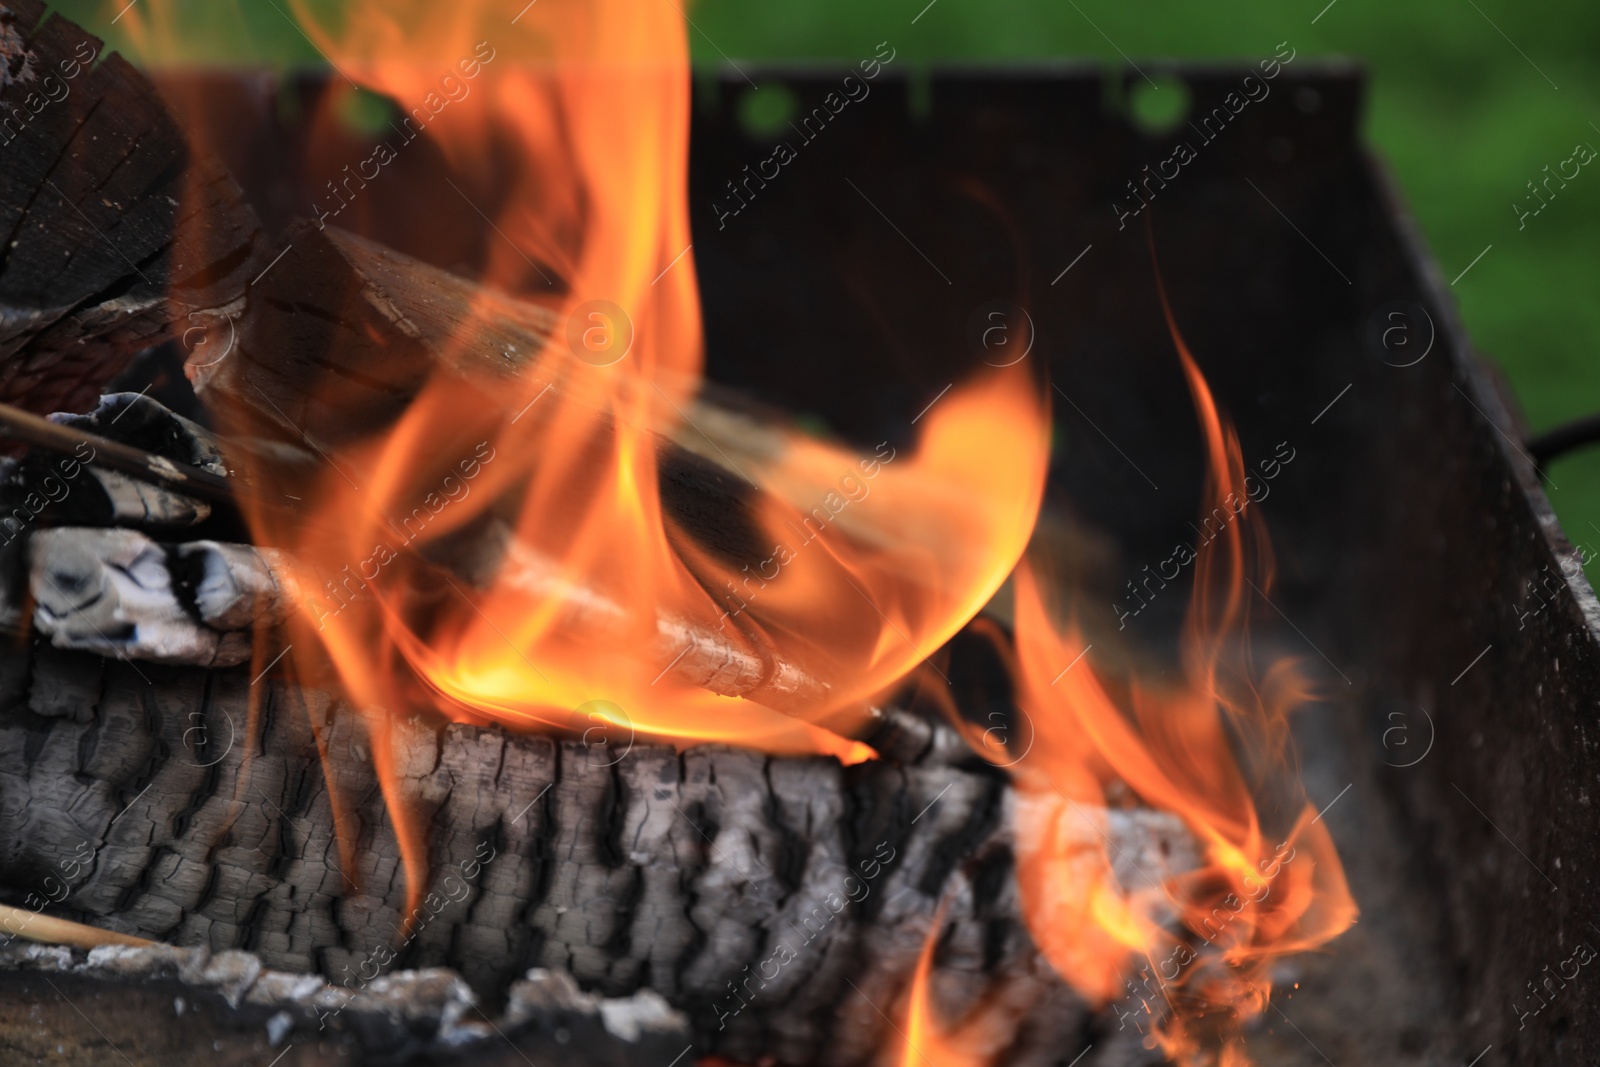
[{"x": 781, "y": 902}]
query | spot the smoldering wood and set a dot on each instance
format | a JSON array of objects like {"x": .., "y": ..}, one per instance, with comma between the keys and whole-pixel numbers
[
  {"x": 146, "y": 427},
  {"x": 212, "y": 1007},
  {"x": 116, "y": 592},
  {"x": 112, "y": 589},
  {"x": 116, "y": 234},
  {"x": 237, "y": 587},
  {"x": 661, "y": 870}
]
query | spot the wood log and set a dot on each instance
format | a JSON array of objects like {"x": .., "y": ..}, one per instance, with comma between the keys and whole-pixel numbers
[
  {"x": 116, "y": 592},
  {"x": 174, "y": 814},
  {"x": 114, "y": 232},
  {"x": 211, "y": 1008}
]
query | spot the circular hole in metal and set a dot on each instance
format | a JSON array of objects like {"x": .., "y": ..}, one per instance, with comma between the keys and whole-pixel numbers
[
  {"x": 765, "y": 111},
  {"x": 1158, "y": 105}
]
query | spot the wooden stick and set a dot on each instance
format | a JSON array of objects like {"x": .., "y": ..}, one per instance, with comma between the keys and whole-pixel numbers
[
  {"x": 40, "y": 432},
  {"x": 49, "y": 930}
]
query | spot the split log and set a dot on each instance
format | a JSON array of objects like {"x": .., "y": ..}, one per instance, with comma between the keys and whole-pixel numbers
[
  {"x": 215, "y": 1008},
  {"x": 115, "y": 233},
  {"x": 173, "y": 814},
  {"x": 342, "y": 334}
]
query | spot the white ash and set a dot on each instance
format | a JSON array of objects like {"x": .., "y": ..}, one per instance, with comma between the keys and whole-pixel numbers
[{"x": 432, "y": 1003}]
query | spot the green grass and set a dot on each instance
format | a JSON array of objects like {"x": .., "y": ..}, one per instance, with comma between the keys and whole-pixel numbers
[{"x": 1464, "y": 116}]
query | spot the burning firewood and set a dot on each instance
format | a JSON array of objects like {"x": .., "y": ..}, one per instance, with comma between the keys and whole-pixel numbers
[
  {"x": 95, "y": 581},
  {"x": 421, "y": 789},
  {"x": 744, "y": 888},
  {"x": 342, "y": 334},
  {"x": 116, "y": 592}
]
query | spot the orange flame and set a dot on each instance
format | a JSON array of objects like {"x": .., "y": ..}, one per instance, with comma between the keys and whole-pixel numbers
[
  {"x": 1205, "y": 750},
  {"x": 502, "y": 552},
  {"x": 926, "y": 1042},
  {"x": 875, "y": 562}
]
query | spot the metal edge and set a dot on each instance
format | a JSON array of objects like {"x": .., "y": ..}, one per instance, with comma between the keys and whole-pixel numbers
[{"x": 1472, "y": 374}]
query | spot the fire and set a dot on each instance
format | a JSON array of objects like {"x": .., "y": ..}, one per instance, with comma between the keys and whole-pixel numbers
[
  {"x": 1208, "y": 750},
  {"x": 516, "y": 562},
  {"x": 501, "y": 552},
  {"x": 926, "y": 1041}
]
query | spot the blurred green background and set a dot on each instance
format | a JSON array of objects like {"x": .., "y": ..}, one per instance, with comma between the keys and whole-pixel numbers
[{"x": 1470, "y": 100}]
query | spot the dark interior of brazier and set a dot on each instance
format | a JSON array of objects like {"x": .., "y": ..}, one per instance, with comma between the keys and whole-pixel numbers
[{"x": 1285, "y": 527}]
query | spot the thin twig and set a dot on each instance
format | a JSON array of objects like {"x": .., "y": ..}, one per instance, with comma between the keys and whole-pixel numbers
[
  {"x": 49, "y": 930},
  {"x": 147, "y": 466}
]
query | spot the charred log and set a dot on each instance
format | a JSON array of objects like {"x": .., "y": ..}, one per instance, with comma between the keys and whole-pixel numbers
[
  {"x": 122, "y": 464},
  {"x": 781, "y": 903}
]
